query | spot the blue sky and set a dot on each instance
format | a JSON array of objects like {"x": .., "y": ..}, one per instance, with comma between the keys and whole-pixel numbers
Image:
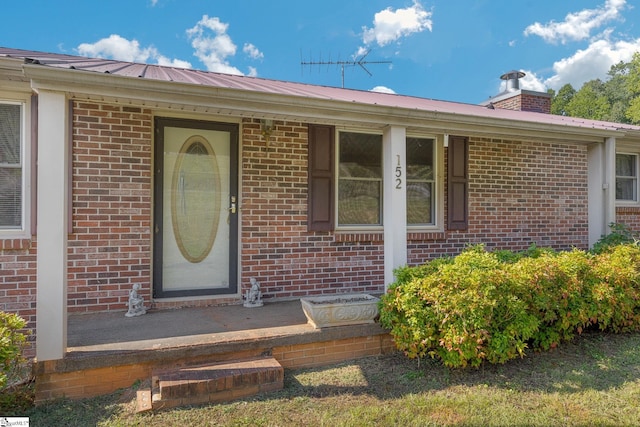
[{"x": 452, "y": 50}]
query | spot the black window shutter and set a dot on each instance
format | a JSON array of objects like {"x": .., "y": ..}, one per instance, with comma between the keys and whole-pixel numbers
[
  {"x": 321, "y": 178},
  {"x": 458, "y": 183}
]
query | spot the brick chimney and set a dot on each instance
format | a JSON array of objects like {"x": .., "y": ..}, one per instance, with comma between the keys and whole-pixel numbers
[{"x": 514, "y": 98}]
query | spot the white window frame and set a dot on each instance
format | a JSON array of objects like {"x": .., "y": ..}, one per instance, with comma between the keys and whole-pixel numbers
[
  {"x": 356, "y": 227},
  {"x": 24, "y": 231},
  {"x": 636, "y": 200},
  {"x": 437, "y": 200},
  {"x": 438, "y": 187}
]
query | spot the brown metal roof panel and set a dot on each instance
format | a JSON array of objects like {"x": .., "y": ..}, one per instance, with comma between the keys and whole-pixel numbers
[
  {"x": 132, "y": 70},
  {"x": 255, "y": 84}
]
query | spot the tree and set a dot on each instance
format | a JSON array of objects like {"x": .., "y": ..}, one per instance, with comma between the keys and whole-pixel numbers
[
  {"x": 617, "y": 99},
  {"x": 590, "y": 102},
  {"x": 560, "y": 100},
  {"x": 633, "y": 86},
  {"x": 617, "y": 92}
]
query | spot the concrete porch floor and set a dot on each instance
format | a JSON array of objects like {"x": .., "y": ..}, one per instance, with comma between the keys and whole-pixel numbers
[
  {"x": 161, "y": 329},
  {"x": 108, "y": 351}
]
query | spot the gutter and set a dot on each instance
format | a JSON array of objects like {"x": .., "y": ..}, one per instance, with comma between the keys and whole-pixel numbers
[{"x": 257, "y": 104}]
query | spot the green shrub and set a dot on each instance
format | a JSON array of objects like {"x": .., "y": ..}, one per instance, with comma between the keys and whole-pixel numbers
[
  {"x": 460, "y": 312},
  {"x": 616, "y": 293},
  {"x": 11, "y": 343},
  {"x": 554, "y": 287},
  {"x": 482, "y": 306},
  {"x": 620, "y": 234}
]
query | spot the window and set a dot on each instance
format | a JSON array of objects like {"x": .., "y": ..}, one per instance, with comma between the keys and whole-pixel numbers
[
  {"x": 11, "y": 168},
  {"x": 353, "y": 178},
  {"x": 627, "y": 177},
  {"x": 420, "y": 181},
  {"x": 359, "y": 179}
]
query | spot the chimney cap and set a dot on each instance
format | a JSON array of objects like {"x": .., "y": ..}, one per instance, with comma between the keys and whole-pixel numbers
[{"x": 513, "y": 74}]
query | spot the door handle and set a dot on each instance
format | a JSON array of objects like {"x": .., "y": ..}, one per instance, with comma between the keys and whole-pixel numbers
[{"x": 232, "y": 209}]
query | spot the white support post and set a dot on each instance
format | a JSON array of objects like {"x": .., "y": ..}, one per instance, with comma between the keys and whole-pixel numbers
[
  {"x": 610, "y": 179},
  {"x": 601, "y": 188},
  {"x": 52, "y": 211},
  {"x": 395, "y": 200}
]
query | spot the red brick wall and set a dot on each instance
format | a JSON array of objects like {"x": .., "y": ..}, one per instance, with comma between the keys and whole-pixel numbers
[
  {"x": 526, "y": 102},
  {"x": 519, "y": 193},
  {"x": 539, "y": 104},
  {"x": 630, "y": 216},
  {"x": 109, "y": 245},
  {"x": 276, "y": 247},
  {"x": 512, "y": 103},
  {"x": 18, "y": 283}
]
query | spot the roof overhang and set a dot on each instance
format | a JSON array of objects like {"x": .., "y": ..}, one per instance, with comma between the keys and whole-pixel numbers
[{"x": 231, "y": 102}]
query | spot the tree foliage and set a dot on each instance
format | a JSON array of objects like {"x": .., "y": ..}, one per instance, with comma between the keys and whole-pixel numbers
[{"x": 616, "y": 99}]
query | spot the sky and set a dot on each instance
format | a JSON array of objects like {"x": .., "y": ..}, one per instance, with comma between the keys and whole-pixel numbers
[{"x": 453, "y": 50}]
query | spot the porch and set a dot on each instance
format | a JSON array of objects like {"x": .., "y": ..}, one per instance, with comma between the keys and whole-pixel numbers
[{"x": 108, "y": 351}]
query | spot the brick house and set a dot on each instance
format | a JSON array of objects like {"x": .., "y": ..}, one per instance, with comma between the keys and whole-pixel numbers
[{"x": 190, "y": 183}]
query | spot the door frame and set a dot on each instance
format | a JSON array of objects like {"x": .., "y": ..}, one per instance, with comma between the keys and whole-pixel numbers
[{"x": 158, "y": 192}]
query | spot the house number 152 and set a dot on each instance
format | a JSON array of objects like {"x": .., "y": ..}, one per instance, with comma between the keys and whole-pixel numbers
[{"x": 398, "y": 174}]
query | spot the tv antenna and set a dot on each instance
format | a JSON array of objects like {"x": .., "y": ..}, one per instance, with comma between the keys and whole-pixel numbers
[{"x": 359, "y": 61}]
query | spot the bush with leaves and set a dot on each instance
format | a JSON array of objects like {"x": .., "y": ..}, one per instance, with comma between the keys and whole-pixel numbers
[
  {"x": 12, "y": 341},
  {"x": 555, "y": 288},
  {"x": 620, "y": 234},
  {"x": 461, "y": 311},
  {"x": 616, "y": 292},
  {"x": 481, "y": 306}
]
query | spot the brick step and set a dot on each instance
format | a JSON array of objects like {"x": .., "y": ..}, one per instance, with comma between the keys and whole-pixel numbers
[{"x": 214, "y": 383}]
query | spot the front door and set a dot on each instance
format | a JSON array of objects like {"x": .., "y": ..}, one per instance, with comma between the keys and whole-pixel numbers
[{"x": 195, "y": 200}]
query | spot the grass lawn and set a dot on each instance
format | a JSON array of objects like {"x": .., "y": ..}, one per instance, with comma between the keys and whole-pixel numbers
[{"x": 594, "y": 381}]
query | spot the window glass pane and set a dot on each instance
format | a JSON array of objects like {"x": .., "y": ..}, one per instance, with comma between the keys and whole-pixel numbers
[
  {"x": 10, "y": 198},
  {"x": 626, "y": 177},
  {"x": 10, "y": 168},
  {"x": 9, "y": 134},
  {"x": 625, "y": 165},
  {"x": 420, "y": 181},
  {"x": 359, "y": 202},
  {"x": 419, "y": 158},
  {"x": 360, "y": 179},
  {"x": 625, "y": 189},
  {"x": 360, "y": 155},
  {"x": 419, "y": 203}
]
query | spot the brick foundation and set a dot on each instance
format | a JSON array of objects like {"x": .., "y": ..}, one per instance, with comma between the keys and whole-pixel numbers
[{"x": 54, "y": 379}]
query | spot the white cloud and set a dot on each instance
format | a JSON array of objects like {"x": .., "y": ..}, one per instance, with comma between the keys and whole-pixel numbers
[
  {"x": 213, "y": 45},
  {"x": 252, "y": 51},
  {"x": 383, "y": 89},
  {"x": 177, "y": 63},
  {"x": 391, "y": 25},
  {"x": 121, "y": 49},
  {"x": 578, "y": 25},
  {"x": 591, "y": 63},
  {"x": 118, "y": 48}
]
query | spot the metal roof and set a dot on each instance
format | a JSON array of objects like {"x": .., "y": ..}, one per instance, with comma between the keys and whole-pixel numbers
[{"x": 261, "y": 85}]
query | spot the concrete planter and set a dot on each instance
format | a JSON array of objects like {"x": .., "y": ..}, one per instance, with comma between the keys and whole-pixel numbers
[{"x": 340, "y": 310}]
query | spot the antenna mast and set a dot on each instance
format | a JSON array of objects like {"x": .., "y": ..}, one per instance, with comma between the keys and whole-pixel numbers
[{"x": 360, "y": 61}]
